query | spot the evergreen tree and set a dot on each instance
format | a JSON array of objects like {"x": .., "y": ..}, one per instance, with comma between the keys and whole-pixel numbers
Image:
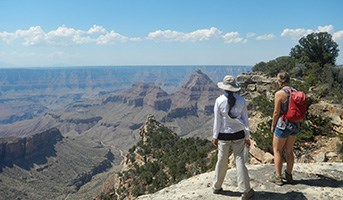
[{"x": 316, "y": 48}]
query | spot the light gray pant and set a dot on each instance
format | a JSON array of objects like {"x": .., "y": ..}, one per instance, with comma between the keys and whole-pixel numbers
[{"x": 225, "y": 148}]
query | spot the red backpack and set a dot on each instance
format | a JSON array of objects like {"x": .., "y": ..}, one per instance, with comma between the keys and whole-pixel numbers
[{"x": 296, "y": 105}]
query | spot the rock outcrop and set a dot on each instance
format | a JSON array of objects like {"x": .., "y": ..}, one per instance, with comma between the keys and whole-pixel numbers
[
  {"x": 85, "y": 177},
  {"x": 311, "y": 181},
  {"x": 197, "y": 95},
  {"x": 159, "y": 159},
  {"x": 143, "y": 94},
  {"x": 333, "y": 111},
  {"x": 14, "y": 149},
  {"x": 322, "y": 149}
]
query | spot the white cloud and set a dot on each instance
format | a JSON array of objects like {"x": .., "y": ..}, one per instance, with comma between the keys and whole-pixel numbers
[
  {"x": 63, "y": 36},
  {"x": 167, "y": 35},
  {"x": 328, "y": 28},
  {"x": 265, "y": 37},
  {"x": 337, "y": 36},
  {"x": 300, "y": 32},
  {"x": 233, "y": 37},
  {"x": 198, "y": 35},
  {"x": 7, "y": 37},
  {"x": 110, "y": 38},
  {"x": 66, "y": 36},
  {"x": 97, "y": 29},
  {"x": 203, "y": 34},
  {"x": 251, "y": 34},
  {"x": 32, "y": 36},
  {"x": 64, "y": 31},
  {"x": 295, "y": 33}
]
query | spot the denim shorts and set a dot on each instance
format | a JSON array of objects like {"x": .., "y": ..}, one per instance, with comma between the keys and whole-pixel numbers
[
  {"x": 285, "y": 128},
  {"x": 283, "y": 133}
]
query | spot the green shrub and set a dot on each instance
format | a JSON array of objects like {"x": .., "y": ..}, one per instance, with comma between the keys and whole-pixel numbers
[
  {"x": 105, "y": 196},
  {"x": 313, "y": 126},
  {"x": 171, "y": 159},
  {"x": 262, "y": 104},
  {"x": 263, "y": 137}
]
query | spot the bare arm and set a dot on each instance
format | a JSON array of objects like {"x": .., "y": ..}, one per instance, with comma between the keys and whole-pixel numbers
[{"x": 278, "y": 99}]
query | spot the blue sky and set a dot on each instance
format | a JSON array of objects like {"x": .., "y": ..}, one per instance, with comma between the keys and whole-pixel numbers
[{"x": 159, "y": 32}]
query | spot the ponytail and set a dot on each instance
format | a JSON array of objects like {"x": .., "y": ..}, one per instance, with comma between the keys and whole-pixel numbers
[{"x": 231, "y": 100}]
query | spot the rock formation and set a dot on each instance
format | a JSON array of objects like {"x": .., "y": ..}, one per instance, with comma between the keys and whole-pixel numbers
[
  {"x": 311, "y": 181},
  {"x": 154, "y": 162},
  {"x": 197, "y": 95},
  {"x": 142, "y": 94},
  {"x": 14, "y": 149}
]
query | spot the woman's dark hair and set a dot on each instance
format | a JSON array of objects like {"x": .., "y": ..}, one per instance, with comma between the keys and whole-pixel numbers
[{"x": 231, "y": 100}]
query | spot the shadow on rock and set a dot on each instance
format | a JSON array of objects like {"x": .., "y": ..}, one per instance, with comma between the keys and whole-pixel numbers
[
  {"x": 274, "y": 195},
  {"x": 321, "y": 181},
  {"x": 268, "y": 195},
  {"x": 230, "y": 193}
]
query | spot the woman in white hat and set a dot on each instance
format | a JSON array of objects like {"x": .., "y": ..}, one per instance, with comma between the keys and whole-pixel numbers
[{"x": 231, "y": 134}]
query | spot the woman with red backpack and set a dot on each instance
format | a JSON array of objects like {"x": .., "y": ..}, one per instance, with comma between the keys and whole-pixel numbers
[{"x": 288, "y": 110}]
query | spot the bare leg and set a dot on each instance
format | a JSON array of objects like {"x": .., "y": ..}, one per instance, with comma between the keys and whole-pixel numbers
[
  {"x": 278, "y": 144},
  {"x": 289, "y": 153}
]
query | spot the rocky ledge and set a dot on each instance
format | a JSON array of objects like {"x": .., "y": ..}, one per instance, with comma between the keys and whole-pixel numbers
[
  {"x": 13, "y": 149},
  {"x": 311, "y": 181}
]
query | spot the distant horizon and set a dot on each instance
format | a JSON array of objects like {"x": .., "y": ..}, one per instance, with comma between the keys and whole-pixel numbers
[
  {"x": 39, "y": 33},
  {"x": 98, "y": 66}
]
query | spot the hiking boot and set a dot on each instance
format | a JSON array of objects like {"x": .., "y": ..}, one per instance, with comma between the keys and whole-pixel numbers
[
  {"x": 248, "y": 195},
  {"x": 276, "y": 179},
  {"x": 288, "y": 177},
  {"x": 219, "y": 191}
]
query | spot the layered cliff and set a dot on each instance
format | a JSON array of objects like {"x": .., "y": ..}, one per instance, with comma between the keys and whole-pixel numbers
[
  {"x": 197, "y": 95},
  {"x": 142, "y": 94},
  {"x": 49, "y": 166},
  {"x": 14, "y": 149}
]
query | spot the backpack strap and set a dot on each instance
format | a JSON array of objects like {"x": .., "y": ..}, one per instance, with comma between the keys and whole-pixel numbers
[{"x": 287, "y": 90}]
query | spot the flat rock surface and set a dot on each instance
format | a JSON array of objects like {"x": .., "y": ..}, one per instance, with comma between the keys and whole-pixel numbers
[{"x": 311, "y": 181}]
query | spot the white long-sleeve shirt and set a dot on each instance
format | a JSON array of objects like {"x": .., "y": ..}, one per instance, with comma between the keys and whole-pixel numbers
[{"x": 223, "y": 123}]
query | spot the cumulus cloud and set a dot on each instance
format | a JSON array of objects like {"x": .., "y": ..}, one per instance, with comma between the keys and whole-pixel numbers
[
  {"x": 295, "y": 33},
  {"x": 300, "y": 32},
  {"x": 97, "y": 29},
  {"x": 328, "y": 28},
  {"x": 166, "y": 35},
  {"x": 63, "y": 36},
  {"x": 7, "y": 37},
  {"x": 265, "y": 37},
  {"x": 32, "y": 36},
  {"x": 198, "y": 35},
  {"x": 337, "y": 36},
  {"x": 203, "y": 34},
  {"x": 251, "y": 34},
  {"x": 110, "y": 38},
  {"x": 233, "y": 37},
  {"x": 66, "y": 36}
]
